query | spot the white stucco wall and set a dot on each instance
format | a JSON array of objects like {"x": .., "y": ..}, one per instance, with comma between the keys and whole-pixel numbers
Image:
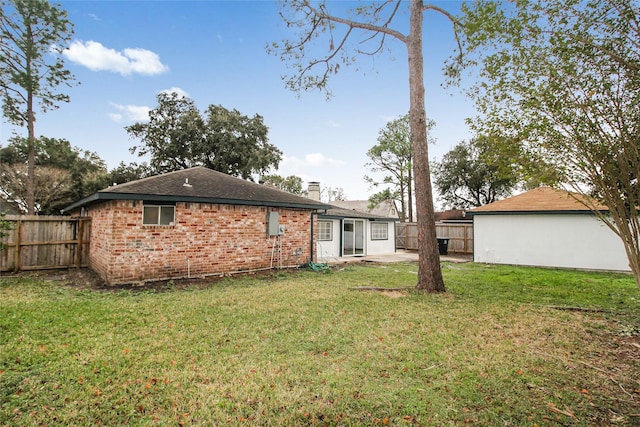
[
  {"x": 328, "y": 250},
  {"x": 550, "y": 240},
  {"x": 381, "y": 247}
]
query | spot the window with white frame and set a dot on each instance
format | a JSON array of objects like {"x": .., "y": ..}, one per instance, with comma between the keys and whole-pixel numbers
[
  {"x": 379, "y": 231},
  {"x": 325, "y": 230},
  {"x": 158, "y": 214}
]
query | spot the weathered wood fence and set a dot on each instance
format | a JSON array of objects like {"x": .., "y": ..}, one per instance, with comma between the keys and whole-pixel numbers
[
  {"x": 460, "y": 236},
  {"x": 45, "y": 242}
]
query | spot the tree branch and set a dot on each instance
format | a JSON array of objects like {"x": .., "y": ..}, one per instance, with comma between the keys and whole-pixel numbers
[
  {"x": 355, "y": 24},
  {"x": 454, "y": 21}
]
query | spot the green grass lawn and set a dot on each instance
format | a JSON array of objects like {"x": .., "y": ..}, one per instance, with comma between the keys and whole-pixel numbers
[{"x": 305, "y": 348}]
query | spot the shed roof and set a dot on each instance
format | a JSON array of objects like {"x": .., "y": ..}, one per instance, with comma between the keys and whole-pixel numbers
[
  {"x": 539, "y": 200},
  {"x": 200, "y": 185}
]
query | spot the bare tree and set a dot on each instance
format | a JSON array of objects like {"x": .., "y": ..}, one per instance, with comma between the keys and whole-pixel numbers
[
  {"x": 372, "y": 23},
  {"x": 330, "y": 194},
  {"x": 50, "y": 186}
]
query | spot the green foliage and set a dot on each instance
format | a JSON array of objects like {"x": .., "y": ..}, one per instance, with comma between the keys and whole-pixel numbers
[
  {"x": 563, "y": 78},
  {"x": 129, "y": 172},
  {"x": 307, "y": 349},
  {"x": 64, "y": 173},
  {"x": 474, "y": 174},
  {"x": 291, "y": 184},
  {"x": 33, "y": 34},
  {"x": 393, "y": 157},
  {"x": 52, "y": 186},
  {"x": 177, "y": 136},
  {"x": 382, "y": 196},
  {"x": 31, "y": 30}
]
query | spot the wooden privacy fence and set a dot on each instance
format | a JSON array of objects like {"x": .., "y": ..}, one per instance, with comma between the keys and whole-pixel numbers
[
  {"x": 45, "y": 242},
  {"x": 460, "y": 236}
]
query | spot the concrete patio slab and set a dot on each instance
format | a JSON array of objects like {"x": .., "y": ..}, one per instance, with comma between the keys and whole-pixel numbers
[{"x": 398, "y": 256}]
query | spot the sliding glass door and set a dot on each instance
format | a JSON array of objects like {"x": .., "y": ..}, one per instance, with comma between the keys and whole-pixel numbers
[{"x": 352, "y": 237}]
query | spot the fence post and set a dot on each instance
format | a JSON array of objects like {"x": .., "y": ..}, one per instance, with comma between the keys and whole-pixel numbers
[
  {"x": 80, "y": 237},
  {"x": 16, "y": 253}
]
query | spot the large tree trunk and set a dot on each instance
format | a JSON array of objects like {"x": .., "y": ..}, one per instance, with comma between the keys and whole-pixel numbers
[
  {"x": 410, "y": 191},
  {"x": 429, "y": 272},
  {"x": 403, "y": 202},
  {"x": 31, "y": 162}
]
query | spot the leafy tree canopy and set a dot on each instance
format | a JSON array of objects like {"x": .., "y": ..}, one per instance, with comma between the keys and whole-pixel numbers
[
  {"x": 32, "y": 35},
  {"x": 77, "y": 173},
  {"x": 393, "y": 157},
  {"x": 31, "y": 31},
  {"x": 470, "y": 175},
  {"x": 52, "y": 190},
  {"x": 178, "y": 136},
  {"x": 383, "y": 196},
  {"x": 562, "y": 77},
  {"x": 291, "y": 184},
  {"x": 129, "y": 172}
]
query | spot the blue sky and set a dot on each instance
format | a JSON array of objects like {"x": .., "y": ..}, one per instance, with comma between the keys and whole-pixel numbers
[{"x": 125, "y": 52}]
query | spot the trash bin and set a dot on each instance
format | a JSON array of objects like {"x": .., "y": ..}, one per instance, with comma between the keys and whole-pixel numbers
[{"x": 443, "y": 245}]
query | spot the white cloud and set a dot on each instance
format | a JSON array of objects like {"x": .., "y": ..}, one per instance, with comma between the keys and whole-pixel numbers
[
  {"x": 97, "y": 57},
  {"x": 94, "y": 17},
  {"x": 313, "y": 160},
  {"x": 182, "y": 93},
  {"x": 334, "y": 124},
  {"x": 318, "y": 159},
  {"x": 130, "y": 113}
]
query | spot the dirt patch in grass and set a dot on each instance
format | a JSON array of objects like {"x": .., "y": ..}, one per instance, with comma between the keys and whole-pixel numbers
[
  {"x": 388, "y": 292},
  {"x": 624, "y": 348},
  {"x": 87, "y": 279},
  {"x": 394, "y": 294}
]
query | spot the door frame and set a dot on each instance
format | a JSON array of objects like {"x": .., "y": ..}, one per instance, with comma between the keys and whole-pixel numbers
[{"x": 354, "y": 242}]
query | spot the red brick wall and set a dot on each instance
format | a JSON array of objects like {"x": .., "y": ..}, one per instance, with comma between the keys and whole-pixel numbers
[{"x": 206, "y": 239}]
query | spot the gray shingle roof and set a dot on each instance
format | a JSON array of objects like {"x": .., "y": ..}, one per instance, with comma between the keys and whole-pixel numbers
[{"x": 200, "y": 185}]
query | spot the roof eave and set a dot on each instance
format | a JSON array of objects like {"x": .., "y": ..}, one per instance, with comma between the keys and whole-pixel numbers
[
  {"x": 537, "y": 212},
  {"x": 370, "y": 218},
  {"x": 105, "y": 196}
]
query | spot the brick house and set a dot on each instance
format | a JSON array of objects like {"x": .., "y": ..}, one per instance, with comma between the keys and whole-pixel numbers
[{"x": 195, "y": 222}]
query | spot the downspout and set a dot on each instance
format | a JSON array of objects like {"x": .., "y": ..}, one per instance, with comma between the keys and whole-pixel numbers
[{"x": 312, "y": 214}]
